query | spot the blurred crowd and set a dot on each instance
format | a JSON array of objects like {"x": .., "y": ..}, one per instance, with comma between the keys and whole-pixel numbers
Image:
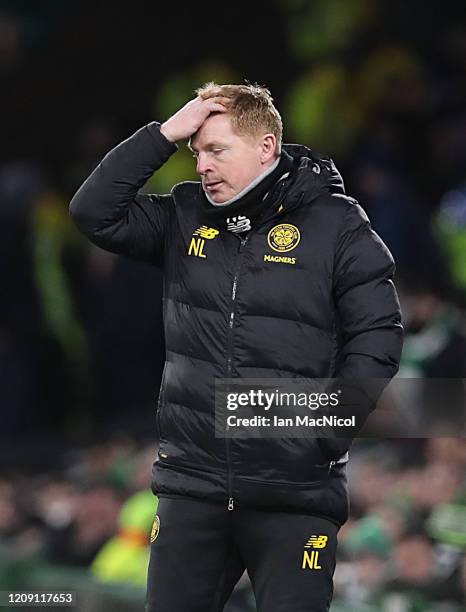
[
  {"x": 65, "y": 515},
  {"x": 381, "y": 87},
  {"x": 403, "y": 548}
]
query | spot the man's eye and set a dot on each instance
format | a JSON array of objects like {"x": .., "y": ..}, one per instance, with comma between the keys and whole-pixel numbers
[{"x": 216, "y": 151}]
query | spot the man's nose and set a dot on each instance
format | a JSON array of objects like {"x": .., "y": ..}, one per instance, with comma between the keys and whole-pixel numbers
[{"x": 203, "y": 163}]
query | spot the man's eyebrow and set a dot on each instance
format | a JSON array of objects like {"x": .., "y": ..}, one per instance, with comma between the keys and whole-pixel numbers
[{"x": 208, "y": 146}]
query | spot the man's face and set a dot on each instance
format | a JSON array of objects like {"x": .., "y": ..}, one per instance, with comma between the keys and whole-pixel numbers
[{"x": 227, "y": 162}]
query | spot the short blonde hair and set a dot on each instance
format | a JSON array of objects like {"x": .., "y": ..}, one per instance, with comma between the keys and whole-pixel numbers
[{"x": 251, "y": 108}]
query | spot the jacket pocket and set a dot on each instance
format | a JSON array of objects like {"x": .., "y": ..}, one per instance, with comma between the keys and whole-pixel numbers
[{"x": 283, "y": 483}]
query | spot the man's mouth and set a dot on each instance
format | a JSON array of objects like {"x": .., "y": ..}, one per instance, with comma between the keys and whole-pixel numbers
[{"x": 211, "y": 186}]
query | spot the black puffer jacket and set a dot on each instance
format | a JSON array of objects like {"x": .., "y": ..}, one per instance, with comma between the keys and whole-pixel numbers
[{"x": 250, "y": 308}]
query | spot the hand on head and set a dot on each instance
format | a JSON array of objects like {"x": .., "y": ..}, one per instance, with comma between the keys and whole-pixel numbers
[{"x": 189, "y": 119}]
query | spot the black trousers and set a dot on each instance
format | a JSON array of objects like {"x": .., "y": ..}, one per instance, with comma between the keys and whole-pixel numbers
[{"x": 201, "y": 550}]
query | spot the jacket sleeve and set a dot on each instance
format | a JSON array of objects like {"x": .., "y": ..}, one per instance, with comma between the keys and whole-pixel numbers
[
  {"x": 367, "y": 305},
  {"x": 369, "y": 321},
  {"x": 108, "y": 207}
]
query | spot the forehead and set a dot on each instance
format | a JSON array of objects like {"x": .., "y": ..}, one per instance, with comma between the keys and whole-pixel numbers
[{"x": 216, "y": 128}]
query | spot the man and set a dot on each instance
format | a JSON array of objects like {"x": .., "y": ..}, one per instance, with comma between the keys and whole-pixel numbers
[{"x": 270, "y": 271}]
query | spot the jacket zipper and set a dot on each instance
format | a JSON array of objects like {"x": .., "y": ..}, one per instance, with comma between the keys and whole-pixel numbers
[{"x": 231, "y": 323}]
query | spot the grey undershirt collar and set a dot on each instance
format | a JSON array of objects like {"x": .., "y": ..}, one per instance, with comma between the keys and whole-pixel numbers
[{"x": 251, "y": 185}]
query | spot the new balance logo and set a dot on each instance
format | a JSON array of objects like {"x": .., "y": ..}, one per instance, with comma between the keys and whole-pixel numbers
[
  {"x": 238, "y": 224},
  {"x": 317, "y": 541},
  {"x": 206, "y": 232}
]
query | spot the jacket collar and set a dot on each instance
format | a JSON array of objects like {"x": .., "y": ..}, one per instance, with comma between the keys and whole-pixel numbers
[{"x": 312, "y": 174}]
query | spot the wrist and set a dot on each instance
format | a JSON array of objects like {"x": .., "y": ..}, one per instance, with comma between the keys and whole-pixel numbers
[{"x": 166, "y": 132}]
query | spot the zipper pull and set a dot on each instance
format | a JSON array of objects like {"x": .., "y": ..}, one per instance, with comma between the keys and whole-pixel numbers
[
  {"x": 330, "y": 466},
  {"x": 231, "y": 504}
]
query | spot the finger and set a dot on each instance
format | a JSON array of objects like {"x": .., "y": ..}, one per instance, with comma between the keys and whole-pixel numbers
[
  {"x": 214, "y": 107},
  {"x": 217, "y": 100},
  {"x": 221, "y": 100}
]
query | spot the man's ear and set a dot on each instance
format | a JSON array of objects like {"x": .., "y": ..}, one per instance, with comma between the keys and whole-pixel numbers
[{"x": 268, "y": 147}]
